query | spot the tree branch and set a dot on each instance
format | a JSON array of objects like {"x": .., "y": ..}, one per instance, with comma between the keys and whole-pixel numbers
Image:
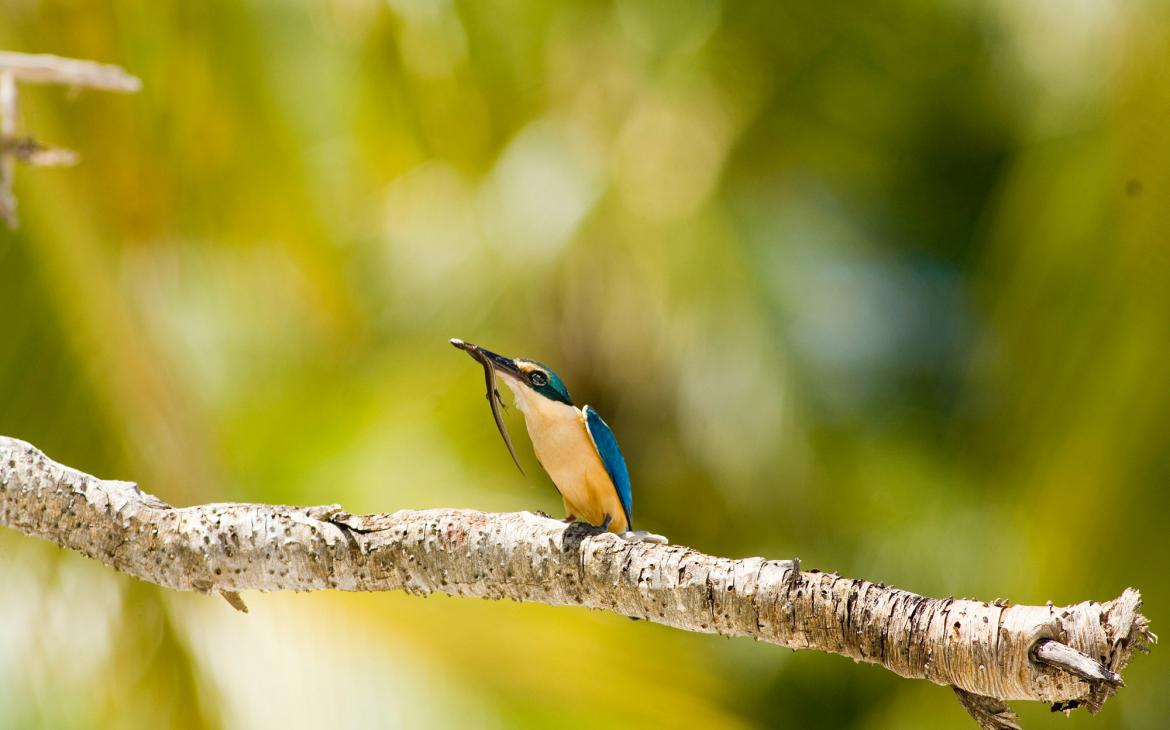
[
  {"x": 43, "y": 69},
  {"x": 46, "y": 69},
  {"x": 8, "y": 112},
  {"x": 989, "y": 652}
]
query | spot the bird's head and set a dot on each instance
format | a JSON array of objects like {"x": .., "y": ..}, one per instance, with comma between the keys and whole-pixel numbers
[{"x": 523, "y": 376}]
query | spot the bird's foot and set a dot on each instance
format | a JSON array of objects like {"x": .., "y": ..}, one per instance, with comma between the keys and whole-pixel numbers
[
  {"x": 643, "y": 536},
  {"x": 570, "y": 519}
]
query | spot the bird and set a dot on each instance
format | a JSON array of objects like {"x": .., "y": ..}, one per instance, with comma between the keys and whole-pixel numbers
[{"x": 575, "y": 446}]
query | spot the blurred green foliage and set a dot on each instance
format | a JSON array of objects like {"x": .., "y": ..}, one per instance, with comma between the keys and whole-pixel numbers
[{"x": 885, "y": 286}]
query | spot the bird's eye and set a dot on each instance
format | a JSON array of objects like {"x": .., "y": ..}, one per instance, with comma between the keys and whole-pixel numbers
[{"x": 538, "y": 378}]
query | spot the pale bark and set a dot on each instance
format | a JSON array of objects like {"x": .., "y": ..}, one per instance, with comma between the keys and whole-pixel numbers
[{"x": 989, "y": 652}]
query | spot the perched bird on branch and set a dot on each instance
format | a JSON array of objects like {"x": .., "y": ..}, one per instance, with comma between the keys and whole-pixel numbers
[{"x": 576, "y": 448}]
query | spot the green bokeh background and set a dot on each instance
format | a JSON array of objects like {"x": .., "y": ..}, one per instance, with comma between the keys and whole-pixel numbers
[{"x": 885, "y": 286}]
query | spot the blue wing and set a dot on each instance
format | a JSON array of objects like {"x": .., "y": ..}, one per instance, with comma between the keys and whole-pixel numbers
[{"x": 611, "y": 457}]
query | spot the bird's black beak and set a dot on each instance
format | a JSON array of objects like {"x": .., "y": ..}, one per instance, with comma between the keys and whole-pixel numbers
[
  {"x": 499, "y": 362},
  {"x": 491, "y": 361}
]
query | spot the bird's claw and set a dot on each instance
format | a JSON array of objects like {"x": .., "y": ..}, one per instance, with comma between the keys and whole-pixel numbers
[{"x": 644, "y": 536}]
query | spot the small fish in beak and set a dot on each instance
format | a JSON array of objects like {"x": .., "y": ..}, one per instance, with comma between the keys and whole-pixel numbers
[{"x": 488, "y": 361}]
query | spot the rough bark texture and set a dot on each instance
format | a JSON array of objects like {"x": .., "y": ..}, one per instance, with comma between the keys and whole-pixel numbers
[{"x": 987, "y": 651}]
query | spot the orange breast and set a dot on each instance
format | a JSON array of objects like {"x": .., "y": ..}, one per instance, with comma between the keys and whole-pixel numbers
[{"x": 565, "y": 450}]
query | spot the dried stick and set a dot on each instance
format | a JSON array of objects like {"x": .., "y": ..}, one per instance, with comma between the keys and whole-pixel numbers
[
  {"x": 8, "y": 112},
  {"x": 45, "y": 69},
  {"x": 42, "y": 69}
]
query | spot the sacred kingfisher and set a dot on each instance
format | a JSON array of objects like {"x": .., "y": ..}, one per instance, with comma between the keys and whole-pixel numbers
[{"x": 576, "y": 448}]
